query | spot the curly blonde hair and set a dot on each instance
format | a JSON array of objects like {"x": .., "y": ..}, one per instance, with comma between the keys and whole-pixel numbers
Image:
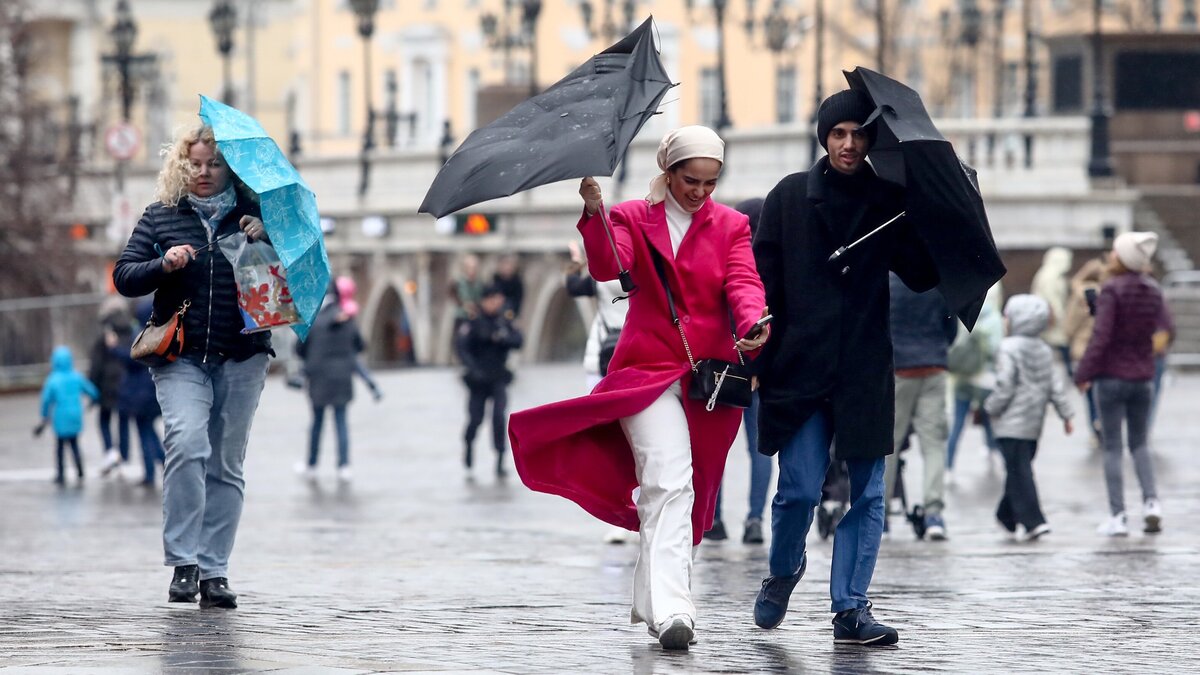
[{"x": 177, "y": 172}]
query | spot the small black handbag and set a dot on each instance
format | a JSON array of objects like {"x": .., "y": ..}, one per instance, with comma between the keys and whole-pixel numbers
[
  {"x": 608, "y": 344},
  {"x": 713, "y": 380}
]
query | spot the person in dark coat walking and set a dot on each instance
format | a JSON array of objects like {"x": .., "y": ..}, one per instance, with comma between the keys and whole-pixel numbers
[
  {"x": 138, "y": 401},
  {"x": 484, "y": 344},
  {"x": 330, "y": 353},
  {"x": 107, "y": 371},
  {"x": 828, "y": 373}
]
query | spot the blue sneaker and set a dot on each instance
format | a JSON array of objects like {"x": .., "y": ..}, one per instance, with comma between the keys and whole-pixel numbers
[
  {"x": 772, "y": 602},
  {"x": 935, "y": 528},
  {"x": 859, "y": 627}
]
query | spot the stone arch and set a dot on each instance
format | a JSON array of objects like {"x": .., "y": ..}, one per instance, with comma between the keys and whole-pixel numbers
[
  {"x": 389, "y": 325},
  {"x": 557, "y": 331}
]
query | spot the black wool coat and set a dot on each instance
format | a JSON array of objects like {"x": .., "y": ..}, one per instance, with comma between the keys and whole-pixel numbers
[{"x": 830, "y": 345}]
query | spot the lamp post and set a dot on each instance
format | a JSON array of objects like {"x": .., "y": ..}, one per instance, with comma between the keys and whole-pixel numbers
[
  {"x": 501, "y": 36},
  {"x": 818, "y": 68},
  {"x": 124, "y": 33},
  {"x": 365, "y": 10},
  {"x": 223, "y": 19},
  {"x": 1100, "y": 163},
  {"x": 719, "y": 6}
]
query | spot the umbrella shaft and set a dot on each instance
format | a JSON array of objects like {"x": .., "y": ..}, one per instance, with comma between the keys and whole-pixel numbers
[{"x": 870, "y": 234}]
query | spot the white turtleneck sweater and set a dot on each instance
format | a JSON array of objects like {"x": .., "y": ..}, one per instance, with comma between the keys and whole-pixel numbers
[{"x": 678, "y": 222}]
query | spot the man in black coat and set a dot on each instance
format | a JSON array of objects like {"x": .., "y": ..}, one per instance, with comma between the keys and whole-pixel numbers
[
  {"x": 826, "y": 373},
  {"x": 484, "y": 343}
]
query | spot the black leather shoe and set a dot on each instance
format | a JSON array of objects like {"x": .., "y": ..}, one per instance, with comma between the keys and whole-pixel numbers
[
  {"x": 217, "y": 593},
  {"x": 716, "y": 532},
  {"x": 184, "y": 585}
]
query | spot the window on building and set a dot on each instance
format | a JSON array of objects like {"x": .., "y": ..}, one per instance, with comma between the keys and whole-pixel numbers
[
  {"x": 1068, "y": 83},
  {"x": 343, "y": 103},
  {"x": 785, "y": 94},
  {"x": 710, "y": 97}
]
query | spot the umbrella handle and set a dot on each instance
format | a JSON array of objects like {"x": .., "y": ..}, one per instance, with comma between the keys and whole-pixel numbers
[
  {"x": 623, "y": 275},
  {"x": 845, "y": 249}
]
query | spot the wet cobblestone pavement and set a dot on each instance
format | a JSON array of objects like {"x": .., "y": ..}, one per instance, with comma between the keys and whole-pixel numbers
[{"x": 412, "y": 568}]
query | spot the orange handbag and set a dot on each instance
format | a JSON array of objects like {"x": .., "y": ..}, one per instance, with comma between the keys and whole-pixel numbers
[{"x": 158, "y": 345}]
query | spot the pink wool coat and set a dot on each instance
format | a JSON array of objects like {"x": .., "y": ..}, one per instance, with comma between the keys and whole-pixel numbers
[{"x": 575, "y": 448}]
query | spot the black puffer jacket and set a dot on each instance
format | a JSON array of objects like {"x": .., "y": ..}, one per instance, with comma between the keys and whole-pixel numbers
[{"x": 213, "y": 323}]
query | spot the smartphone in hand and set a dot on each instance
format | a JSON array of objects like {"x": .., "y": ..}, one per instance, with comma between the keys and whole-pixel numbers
[{"x": 757, "y": 328}]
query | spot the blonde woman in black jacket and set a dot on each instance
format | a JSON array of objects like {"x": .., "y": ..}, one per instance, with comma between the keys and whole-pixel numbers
[{"x": 209, "y": 395}]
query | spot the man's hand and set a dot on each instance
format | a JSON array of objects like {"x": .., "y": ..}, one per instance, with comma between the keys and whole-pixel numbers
[
  {"x": 177, "y": 257},
  {"x": 589, "y": 189},
  {"x": 110, "y": 338},
  {"x": 1068, "y": 427},
  {"x": 253, "y": 227},
  {"x": 1084, "y": 386}
]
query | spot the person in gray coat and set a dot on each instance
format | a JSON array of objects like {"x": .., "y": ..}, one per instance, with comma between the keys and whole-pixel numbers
[
  {"x": 1026, "y": 380},
  {"x": 330, "y": 353}
]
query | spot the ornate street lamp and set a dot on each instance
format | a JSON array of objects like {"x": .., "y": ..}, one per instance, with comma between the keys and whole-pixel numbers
[
  {"x": 723, "y": 122},
  {"x": 124, "y": 32},
  {"x": 501, "y": 36},
  {"x": 223, "y": 19},
  {"x": 610, "y": 29},
  {"x": 1100, "y": 163},
  {"x": 365, "y": 11}
]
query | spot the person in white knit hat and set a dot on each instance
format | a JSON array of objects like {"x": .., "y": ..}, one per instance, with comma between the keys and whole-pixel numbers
[{"x": 1119, "y": 363}]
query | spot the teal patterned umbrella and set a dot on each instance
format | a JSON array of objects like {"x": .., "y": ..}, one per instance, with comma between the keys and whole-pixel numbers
[{"x": 289, "y": 207}]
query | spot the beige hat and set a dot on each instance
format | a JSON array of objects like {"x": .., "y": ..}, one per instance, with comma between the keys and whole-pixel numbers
[
  {"x": 680, "y": 144},
  {"x": 1135, "y": 249}
]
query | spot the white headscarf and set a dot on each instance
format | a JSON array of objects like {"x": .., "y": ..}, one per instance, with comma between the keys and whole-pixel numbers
[{"x": 681, "y": 144}]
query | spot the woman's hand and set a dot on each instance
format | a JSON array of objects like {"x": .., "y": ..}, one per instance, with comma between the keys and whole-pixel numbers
[
  {"x": 750, "y": 344},
  {"x": 177, "y": 257},
  {"x": 253, "y": 227},
  {"x": 589, "y": 189}
]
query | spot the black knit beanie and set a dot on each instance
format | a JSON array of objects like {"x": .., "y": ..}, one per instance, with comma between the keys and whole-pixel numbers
[{"x": 848, "y": 105}]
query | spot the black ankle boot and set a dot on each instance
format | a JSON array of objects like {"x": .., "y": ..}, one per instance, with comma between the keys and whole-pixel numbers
[
  {"x": 216, "y": 593},
  {"x": 184, "y": 585}
]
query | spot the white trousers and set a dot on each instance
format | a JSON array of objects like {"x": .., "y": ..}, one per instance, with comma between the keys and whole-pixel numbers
[{"x": 662, "y": 452}]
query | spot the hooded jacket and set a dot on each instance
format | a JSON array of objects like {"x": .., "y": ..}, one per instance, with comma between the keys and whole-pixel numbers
[
  {"x": 1026, "y": 379},
  {"x": 61, "y": 394},
  {"x": 1051, "y": 284}
]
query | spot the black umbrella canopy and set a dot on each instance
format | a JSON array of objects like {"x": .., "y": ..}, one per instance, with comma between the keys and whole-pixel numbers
[
  {"x": 942, "y": 198},
  {"x": 578, "y": 127}
]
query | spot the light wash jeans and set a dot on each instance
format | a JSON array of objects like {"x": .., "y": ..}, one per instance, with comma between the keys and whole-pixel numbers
[
  {"x": 802, "y": 466},
  {"x": 207, "y": 410}
]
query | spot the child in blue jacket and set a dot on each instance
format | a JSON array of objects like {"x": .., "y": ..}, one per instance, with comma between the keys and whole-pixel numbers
[{"x": 61, "y": 405}]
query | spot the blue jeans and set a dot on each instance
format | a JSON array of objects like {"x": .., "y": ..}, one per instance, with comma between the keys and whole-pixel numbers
[
  {"x": 207, "y": 410},
  {"x": 802, "y": 465},
  {"x": 962, "y": 406},
  {"x": 760, "y": 466},
  {"x": 343, "y": 434}
]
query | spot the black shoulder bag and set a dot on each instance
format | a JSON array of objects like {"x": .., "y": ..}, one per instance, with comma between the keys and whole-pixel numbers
[{"x": 713, "y": 380}]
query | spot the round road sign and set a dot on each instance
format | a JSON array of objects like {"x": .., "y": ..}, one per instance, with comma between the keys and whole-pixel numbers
[{"x": 122, "y": 140}]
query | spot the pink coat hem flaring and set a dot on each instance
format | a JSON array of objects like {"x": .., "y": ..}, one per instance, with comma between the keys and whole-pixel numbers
[{"x": 576, "y": 448}]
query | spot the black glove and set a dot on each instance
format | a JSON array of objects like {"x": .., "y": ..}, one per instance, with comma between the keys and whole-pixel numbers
[{"x": 37, "y": 431}]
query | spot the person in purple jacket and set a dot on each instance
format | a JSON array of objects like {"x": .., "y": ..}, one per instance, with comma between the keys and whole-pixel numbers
[{"x": 1119, "y": 363}]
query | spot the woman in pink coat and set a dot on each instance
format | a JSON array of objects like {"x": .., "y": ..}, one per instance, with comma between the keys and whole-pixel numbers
[{"x": 638, "y": 428}]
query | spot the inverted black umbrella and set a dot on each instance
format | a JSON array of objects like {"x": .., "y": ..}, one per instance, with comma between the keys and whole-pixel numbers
[
  {"x": 942, "y": 198},
  {"x": 578, "y": 127}
]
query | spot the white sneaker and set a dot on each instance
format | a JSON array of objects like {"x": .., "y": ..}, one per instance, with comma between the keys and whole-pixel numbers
[
  {"x": 1114, "y": 527},
  {"x": 344, "y": 474},
  {"x": 305, "y": 471},
  {"x": 1022, "y": 535},
  {"x": 677, "y": 632},
  {"x": 1152, "y": 513},
  {"x": 616, "y": 535},
  {"x": 111, "y": 459}
]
